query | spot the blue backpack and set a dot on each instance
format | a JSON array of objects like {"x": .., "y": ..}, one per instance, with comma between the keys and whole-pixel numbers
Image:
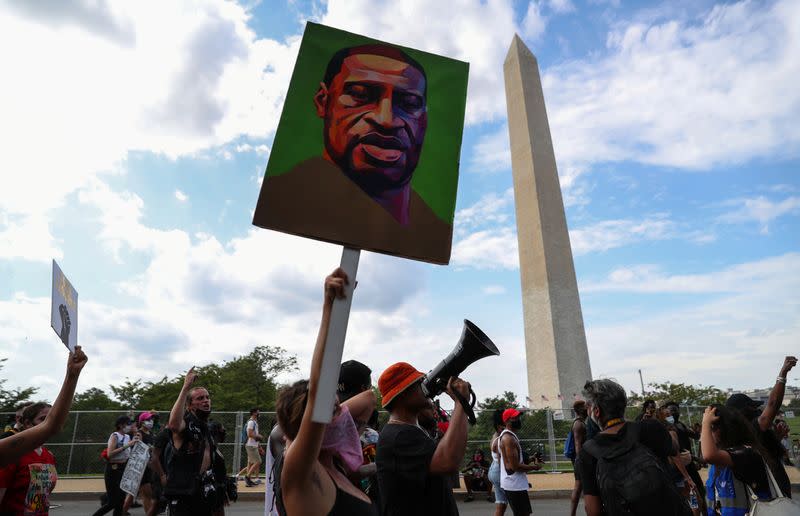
[{"x": 569, "y": 446}]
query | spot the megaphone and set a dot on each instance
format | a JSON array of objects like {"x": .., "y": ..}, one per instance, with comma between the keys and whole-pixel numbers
[{"x": 472, "y": 346}]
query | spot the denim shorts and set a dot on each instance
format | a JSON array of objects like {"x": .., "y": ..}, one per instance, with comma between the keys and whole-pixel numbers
[{"x": 494, "y": 478}]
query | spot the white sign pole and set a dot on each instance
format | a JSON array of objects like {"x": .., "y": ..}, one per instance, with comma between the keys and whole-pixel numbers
[{"x": 334, "y": 345}]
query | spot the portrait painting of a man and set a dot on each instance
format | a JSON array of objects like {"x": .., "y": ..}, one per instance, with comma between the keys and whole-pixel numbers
[{"x": 356, "y": 180}]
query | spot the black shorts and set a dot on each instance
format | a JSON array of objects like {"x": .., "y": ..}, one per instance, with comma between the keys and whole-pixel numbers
[{"x": 519, "y": 502}]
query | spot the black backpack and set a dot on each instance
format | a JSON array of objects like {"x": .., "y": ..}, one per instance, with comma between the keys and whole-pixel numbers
[{"x": 632, "y": 480}]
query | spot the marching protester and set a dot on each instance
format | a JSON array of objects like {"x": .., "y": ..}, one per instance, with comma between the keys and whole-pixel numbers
[
  {"x": 762, "y": 422},
  {"x": 226, "y": 488},
  {"x": 623, "y": 468},
  {"x": 145, "y": 434},
  {"x": 159, "y": 475},
  {"x": 684, "y": 436},
  {"x": 578, "y": 434},
  {"x": 500, "y": 500},
  {"x": 737, "y": 461},
  {"x": 513, "y": 470},
  {"x": 676, "y": 463},
  {"x": 25, "y": 485},
  {"x": 117, "y": 453},
  {"x": 409, "y": 460},
  {"x": 648, "y": 410},
  {"x": 355, "y": 378},
  {"x": 15, "y": 446},
  {"x": 190, "y": 482},
  {"x": 252, "y": 446},
  {"x": 318, "y": 456}
]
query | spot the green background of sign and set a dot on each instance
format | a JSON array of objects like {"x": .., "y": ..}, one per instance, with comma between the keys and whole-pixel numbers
[{"x": 299, "y": 134}]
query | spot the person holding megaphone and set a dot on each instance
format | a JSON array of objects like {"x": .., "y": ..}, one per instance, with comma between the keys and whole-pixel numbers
[{"x": 412, "y": 468}]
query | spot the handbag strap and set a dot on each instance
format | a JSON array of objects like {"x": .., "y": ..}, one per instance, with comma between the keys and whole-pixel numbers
[{"x": 774, "y": 488}]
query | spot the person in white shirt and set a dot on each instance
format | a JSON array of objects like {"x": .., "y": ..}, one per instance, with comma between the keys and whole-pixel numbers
[
  {"x": 253, "y": 456},
  {"x": 513, "y": 471}
]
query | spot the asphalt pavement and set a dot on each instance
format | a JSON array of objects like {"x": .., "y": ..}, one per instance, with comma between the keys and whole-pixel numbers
[{"x": 549, "y": 507}]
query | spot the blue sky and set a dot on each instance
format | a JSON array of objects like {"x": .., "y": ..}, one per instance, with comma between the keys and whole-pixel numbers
[{"x": 135, "y": 137}]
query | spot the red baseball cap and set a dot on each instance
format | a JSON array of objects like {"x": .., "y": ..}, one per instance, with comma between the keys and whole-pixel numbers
[
  {"x": 510, "y": 413},
  {"x": 397, "y": 378}
]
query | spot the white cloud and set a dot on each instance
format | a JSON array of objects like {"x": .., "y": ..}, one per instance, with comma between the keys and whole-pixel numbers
[
  {"x": 533, "y": 25},
  {"x": 684, "y": 94},
  {"x": 182, "y": 197},
  {"x": 261, "y": 150},
  {"x": 738, "y": 278},
  {"x": 735, "y": 340},
  {"x": 97, "y": 81},
  {"x": 493, "y": 290},
  {"x": 687, "y": 94},
  {"x": 761, "y": 210},
  {"x": 561, "y": 6},
  {"x": 610, "y": 234},
  {"x": 487, "y": 249},
  {"x": 477, "y": 32},
  {"x": 486, "y": 238},
  {"x": 27, "y": 237}
]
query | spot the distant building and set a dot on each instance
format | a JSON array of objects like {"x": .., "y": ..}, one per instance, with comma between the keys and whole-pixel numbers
[{"x": 762, "y": 395}]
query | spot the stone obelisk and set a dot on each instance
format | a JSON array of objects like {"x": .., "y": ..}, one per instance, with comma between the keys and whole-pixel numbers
[{"x": 555, "y": 340}]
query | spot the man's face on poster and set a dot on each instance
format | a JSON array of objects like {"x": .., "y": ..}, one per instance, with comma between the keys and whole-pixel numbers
[{"x": 375, "y": 117}]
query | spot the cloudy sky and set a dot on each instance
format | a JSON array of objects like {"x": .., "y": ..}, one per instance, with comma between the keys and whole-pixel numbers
[{"x": 135, "y": 136}]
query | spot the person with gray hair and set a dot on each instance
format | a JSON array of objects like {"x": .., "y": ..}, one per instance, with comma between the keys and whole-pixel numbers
[{"x": 623, "y": 468}]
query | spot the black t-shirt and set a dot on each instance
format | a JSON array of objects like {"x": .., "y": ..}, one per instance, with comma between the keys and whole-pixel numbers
[
  {"x": 652, "y": 434},
  {"x": 684, "y": 439},
  {"x": 748, "y": 466},
  {"x": 407, "y": 488},
  {"x": 772, "y": 445}
]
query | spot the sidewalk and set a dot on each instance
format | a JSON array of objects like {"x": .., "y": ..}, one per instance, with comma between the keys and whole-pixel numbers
[{"x": 545, "y": 485}]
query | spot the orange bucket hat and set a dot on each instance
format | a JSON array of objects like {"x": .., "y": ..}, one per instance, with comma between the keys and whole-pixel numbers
[{"x": 395, "y": 379}]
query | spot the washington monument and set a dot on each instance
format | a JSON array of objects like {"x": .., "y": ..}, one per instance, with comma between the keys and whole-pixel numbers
[{"x": 555, "y": 340}]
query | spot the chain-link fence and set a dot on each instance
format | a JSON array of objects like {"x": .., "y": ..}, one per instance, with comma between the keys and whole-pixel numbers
[{"x": 78, "y": 446}]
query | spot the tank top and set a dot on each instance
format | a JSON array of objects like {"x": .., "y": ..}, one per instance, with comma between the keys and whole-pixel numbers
[
  {"x": 517, "y": 481},
  {"x": 495, "y": 456},
  {"x": 122, "y": 440},
  {"x": 349, "y": 505}
]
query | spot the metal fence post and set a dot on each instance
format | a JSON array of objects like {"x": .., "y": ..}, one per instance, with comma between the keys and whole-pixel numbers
[
  {"x": 72, "y": 442},
  {"x": 237, "y": 448},
  {"x": 551, "y": 440}
]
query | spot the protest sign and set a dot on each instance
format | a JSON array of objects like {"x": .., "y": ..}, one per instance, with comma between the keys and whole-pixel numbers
[
  {"x": 134, "y": 469},
  {"x": 367, "y": 149},
  {"x": 64, "y": 309}
]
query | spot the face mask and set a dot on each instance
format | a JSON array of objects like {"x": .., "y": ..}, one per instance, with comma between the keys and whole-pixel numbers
[
  {"x": 126, "y": 429},
  {"x": 148, "y": 425},
  {"x": 516, "y": 424},
  {"x": 670, "y": 419},
  {"x": 202, "y": 414},
  {"x": 342, "y": 441}
]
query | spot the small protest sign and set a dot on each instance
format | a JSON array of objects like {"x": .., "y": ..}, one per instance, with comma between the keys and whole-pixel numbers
[
  {"x": 558, "y": 415},
  {"x": 788, "y": 414},
  {"x": 137, "y": 463},
  {"x": 64, "y": 309}
]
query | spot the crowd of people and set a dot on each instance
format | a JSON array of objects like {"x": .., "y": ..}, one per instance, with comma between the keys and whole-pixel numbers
[{"x": 411, "y": 464}]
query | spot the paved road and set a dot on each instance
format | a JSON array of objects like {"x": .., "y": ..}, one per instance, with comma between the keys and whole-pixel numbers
[{"x": 558, "y": 507}]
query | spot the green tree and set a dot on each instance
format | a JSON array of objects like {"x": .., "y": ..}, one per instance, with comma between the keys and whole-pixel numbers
[
  {"x": 484, "y": 427},
  {"x": 10, "y": 398},
  {"x": 683, "y": 394},
  {"x": 94, "y": 399},
  {"x": 238, "y": 384}
]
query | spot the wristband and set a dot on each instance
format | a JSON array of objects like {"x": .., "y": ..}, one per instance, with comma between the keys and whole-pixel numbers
[{"x": 781, "y": 379}]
